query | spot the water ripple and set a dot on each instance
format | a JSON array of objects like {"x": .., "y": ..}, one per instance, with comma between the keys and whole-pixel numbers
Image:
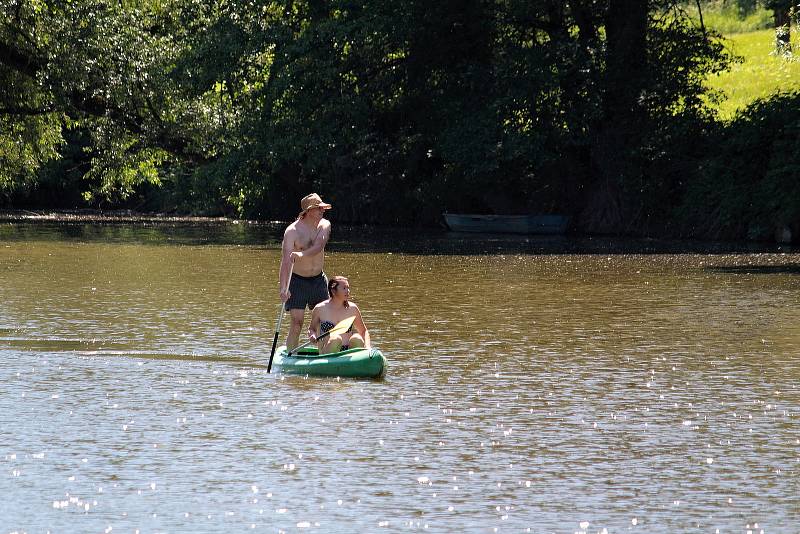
[{"x": 556, "y": 393}]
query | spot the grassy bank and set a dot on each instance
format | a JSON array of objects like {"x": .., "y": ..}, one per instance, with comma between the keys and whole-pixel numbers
[
  {"x": 727, "y": 19},
  {"x": 752, "y": 37},
  {"x": 761, "y": 73}
]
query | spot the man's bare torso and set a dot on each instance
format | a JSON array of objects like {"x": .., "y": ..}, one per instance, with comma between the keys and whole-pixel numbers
[{"x": 302, "y": 237}]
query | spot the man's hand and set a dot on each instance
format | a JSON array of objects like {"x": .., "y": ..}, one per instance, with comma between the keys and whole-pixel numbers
[
  {"x": 285, "y": 293},
  {"x": 296, "y": 255}
]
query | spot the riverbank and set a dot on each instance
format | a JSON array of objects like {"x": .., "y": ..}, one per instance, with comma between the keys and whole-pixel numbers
[
  {"x": 153, "y": 228},
  {"x": 112, "y": 216}
]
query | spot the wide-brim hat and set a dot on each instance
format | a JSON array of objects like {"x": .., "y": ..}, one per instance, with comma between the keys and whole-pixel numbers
[{"x": 313, "y": 201}]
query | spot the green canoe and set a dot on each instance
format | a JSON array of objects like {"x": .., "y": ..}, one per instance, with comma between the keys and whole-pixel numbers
[{"x": 354, "y": 363}]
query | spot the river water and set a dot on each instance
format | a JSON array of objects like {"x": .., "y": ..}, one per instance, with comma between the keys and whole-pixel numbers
[{"x": 535, "y": 385}]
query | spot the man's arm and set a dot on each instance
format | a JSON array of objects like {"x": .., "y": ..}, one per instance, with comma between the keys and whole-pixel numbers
[
  {"x": 319, "y": 241},
  {"x": 286, "y": 262}
]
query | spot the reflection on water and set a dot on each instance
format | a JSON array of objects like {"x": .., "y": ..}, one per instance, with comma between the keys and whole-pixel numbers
[{"x": 556, "y": 392}]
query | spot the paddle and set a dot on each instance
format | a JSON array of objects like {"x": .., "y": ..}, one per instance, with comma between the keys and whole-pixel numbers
[
  {"x": 280, "y": 319},
  {"x": 340, "y": 328}
]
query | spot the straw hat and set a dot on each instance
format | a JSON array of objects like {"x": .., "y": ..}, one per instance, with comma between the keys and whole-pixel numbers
[{"x": 313, "y": 201}]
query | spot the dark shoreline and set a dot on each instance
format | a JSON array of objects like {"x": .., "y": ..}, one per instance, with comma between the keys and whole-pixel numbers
[
  {"x": 96, "y": 225},
  {"x": 115, "y": 216}
]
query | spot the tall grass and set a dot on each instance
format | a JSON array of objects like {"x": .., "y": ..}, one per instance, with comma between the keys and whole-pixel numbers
[
  {"x": 751, "y": 36},
  {"x": 761, "y": 74},
  {"x": 726, "y": 18}
]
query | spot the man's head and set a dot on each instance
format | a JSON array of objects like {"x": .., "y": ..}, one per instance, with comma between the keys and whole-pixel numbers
[{"x": 312, "y": 202}]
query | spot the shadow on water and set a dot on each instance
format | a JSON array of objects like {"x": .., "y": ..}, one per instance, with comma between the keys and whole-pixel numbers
[
  {"x": 228, "y": 360},
  {"x": 102, "y": 349},
  {"x": 360, "y": 239},
  {"x": 789, "y": 268},
  {"x": 147, "y": 232},
  {"x": 252, "y": 363}
]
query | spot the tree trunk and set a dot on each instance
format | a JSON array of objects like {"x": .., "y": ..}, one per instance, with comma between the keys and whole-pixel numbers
[
  {"x": 582, "y": 12},
  {"x": 783, "y": 23},
  {"x": 615, "y": 139}
]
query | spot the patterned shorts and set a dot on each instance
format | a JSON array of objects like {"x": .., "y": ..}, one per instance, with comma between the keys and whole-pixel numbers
[{"x": 307, "y": 291}]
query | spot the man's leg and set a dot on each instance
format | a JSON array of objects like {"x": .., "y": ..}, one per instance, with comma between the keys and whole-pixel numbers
[
  {"x": 318, "y": 291},
  {"x": 296, "y": 317}
]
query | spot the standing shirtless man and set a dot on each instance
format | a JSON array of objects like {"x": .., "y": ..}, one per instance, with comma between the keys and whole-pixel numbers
[{"x": 304, "y": 246}]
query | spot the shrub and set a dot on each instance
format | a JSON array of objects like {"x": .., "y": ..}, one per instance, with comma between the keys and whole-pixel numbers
[{"x": 750, "y": 185}]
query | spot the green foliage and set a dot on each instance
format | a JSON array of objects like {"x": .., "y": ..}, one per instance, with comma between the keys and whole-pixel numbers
[
  {"x": 26, "y": 143},
  {"x": 682, "y": 56},
  {"x": 103, "y": 68},
  {"x": 394, "y": 110},
  {"x": 750, "y": 186},
  {"x": 732, "y": 16},
  {"x": 29, "y": 134},
  {"x": 121, "y": 166},
  {"x": 668, "y": 129}
]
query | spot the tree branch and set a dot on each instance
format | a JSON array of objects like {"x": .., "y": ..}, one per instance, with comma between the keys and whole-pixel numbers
[
  {"x": 24, "y": 110},
  {"x": 19, "y": 61},
  {"x": 700, "y": 13}
]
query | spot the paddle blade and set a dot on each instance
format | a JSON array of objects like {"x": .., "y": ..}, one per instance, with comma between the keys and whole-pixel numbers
[
  {"x": 339, "y": 328},
  {"x": 342, "y": 326}
]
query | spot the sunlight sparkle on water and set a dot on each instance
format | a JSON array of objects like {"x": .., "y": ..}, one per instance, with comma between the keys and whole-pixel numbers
[{"x": 571, "y": 390}]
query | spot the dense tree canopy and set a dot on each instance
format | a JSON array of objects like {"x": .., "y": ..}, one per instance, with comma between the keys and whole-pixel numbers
[{"x": 396, "y": 110}]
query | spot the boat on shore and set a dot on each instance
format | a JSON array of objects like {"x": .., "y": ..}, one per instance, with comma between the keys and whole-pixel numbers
[
  {"x": 507, "y": 224},
  {"x": 350, "y": 363}
]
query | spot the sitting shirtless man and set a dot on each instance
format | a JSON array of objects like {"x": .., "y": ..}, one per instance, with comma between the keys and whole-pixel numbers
[
  {"x": 337, "y": 308},
  {"x": 304, "y": 246}
]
